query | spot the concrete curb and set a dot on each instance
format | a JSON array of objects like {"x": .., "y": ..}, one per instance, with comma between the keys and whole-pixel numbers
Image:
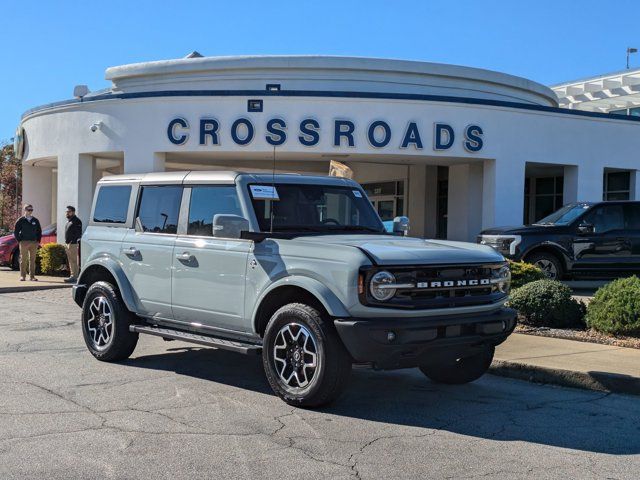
[
  {"x": 31, "y": 288},
  {"x": 599, "y": 381}
]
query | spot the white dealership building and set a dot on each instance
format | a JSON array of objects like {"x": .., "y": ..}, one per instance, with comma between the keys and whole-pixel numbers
[{"x": 456, "y": 149}]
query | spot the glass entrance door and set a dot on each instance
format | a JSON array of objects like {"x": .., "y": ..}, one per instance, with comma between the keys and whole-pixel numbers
[{"x": 387, "y": 198}]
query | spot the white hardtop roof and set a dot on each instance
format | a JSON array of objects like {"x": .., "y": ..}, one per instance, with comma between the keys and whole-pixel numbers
[{"x": 221, "y": 177}]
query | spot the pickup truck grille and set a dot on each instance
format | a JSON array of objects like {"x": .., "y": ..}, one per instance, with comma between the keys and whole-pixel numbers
[{"x": 441, "y": 287}]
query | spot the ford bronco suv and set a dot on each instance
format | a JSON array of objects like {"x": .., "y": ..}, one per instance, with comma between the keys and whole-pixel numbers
[{"x": 299, "y": 269}]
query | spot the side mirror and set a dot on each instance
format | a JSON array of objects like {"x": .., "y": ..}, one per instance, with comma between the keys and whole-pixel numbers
[
  {"x": 229, "y": 226},
  {"x": 401, "y": 225},
  {"x": 585, "y": 228}
]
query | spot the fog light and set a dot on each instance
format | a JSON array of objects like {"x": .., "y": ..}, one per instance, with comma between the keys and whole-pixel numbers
[{"x": 391, "y": 336}]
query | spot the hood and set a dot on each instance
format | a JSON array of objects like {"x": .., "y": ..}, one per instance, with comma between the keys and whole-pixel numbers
[
  {"x": 390, "y": 250},
  {"x": 523, "y": 229},
  {"x": 7, "y": 239}
]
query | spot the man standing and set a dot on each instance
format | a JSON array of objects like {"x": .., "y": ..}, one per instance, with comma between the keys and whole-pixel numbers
[
  {"x": 28, "y": 233},
  {"x": 72, "y": 234}
]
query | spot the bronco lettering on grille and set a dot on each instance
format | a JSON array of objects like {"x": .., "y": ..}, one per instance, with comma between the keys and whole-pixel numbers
[{"x": 454, "y": 283}]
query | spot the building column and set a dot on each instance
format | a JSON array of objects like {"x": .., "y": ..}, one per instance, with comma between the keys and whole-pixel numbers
[
  {"x": 36, "y": 190},
  {"x": 137, "y": 160},
  {"x": 582, "y": 184},
  {"x": 415, "y": 198},
  {"x": 503, "y": 192},
  {"x": 430, "y": 201},
  {"x": 465, "y": 202},
  {"x": 75, "y": 187}
]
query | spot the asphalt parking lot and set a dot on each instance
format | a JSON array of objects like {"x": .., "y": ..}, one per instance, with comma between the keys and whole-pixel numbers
[{"x": 175, "y": 411}]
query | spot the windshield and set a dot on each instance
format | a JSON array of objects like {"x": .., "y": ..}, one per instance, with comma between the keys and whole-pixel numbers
[
  {"x": 565, "y": 215},
  {"x": 315, "y": 208}
]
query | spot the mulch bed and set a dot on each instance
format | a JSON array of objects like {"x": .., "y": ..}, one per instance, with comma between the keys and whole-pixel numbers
[{"x": 581, "y": 335}]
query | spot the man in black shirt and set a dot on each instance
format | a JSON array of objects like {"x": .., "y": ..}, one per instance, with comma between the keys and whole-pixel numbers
[
  {"x": 28, "y": 233},
  {"x": 72, "y": 234}
]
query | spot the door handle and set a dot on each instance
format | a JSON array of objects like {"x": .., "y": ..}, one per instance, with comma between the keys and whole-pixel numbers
[
  {"x": 185, "y": 257},
  {"x": 131, "y": 252}
]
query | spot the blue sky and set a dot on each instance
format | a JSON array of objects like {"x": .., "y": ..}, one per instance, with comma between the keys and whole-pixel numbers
[{"x": 48, "y": 47}]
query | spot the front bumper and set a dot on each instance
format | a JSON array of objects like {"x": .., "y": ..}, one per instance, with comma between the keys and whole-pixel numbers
[{"x": 389, "y": 343}]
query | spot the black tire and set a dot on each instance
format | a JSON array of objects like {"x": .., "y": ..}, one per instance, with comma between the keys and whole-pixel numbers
[
  {"x": 310, "y": 331},
  {"x": 548, "y": 263},
  {"x": 15, "y": 259},
  {"x": 462, "y": 370},
  {"x": 107, "y": 336}
]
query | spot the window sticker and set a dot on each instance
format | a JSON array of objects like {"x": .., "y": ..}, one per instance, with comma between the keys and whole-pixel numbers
[
  {"x": 357, "y": 193},
  {"x": 264, "y": 192}
]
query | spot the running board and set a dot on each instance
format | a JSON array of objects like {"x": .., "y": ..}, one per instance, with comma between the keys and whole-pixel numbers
[{"x": 168, "y": 333}]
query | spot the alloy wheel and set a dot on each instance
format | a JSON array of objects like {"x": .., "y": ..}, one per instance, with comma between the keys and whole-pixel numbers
[
  {"x": 548, "y": 268},
  {"x": 295, "y": 356},
  {"x": 100, "y": 323}
]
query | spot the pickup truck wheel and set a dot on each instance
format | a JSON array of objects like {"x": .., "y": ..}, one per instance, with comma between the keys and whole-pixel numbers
[
  {"x": 303, "y": 357},
  {"x": 105, "y": 324},
  {"x": 548, "y": 263},
  {"x": 461, "y": 370}
]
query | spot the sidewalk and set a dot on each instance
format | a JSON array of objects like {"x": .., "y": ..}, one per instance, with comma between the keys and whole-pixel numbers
[
  {"x": 10, "y": 282},
  {"x": 569, "y": 363}
]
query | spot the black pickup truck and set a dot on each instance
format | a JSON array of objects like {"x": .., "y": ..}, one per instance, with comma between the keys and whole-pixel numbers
[{"x": 598, "y": 240}]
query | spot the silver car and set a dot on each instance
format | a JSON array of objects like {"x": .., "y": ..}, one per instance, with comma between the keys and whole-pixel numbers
[{"x": 298, "y": 269}]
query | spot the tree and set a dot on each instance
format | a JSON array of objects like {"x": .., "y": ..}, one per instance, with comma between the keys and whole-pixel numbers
[{"x": 10, "y": 186}]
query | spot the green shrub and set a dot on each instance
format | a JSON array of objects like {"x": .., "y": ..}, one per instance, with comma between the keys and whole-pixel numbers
[
  {"x": 615, "y": 308},
  {"x": 547, "y": 303},
  {"x": 523, "y": 273},
  {"x": 53, "y": 259}
]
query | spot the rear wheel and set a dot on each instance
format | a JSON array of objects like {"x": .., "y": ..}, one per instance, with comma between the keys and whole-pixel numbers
[
  {"x": 303, "y": 357},
  {"x": 461, "y": 370},
  {"x": 105, "y": 324},
  {"x": 548, "y": 263}
]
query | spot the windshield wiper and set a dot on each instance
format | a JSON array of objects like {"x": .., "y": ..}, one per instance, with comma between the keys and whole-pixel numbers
[{"x": 352, "y": 228}]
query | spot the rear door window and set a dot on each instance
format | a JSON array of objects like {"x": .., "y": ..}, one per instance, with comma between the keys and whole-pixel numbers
[
  {"x": 632, "y": 216},
  {"x": 159, "y": 208},
  {"x": 112, "y": 204}
]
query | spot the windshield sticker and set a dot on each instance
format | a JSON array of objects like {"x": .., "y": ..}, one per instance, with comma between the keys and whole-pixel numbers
[
  {"x": 264, "y": 192},
  {"x": 357, "y": 193}
]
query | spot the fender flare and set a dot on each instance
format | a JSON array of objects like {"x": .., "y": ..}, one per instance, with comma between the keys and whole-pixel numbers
[
  {"x": 324, "y": 294},
  {"x": 115, "y": 269},
  {"x": 565, "y": 256}
]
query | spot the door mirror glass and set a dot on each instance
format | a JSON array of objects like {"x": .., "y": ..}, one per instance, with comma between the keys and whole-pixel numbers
[
  {"x": 228, "y": 225},
  {"x": 585, "y": 228},
  {"x": 401, "y": 225}
]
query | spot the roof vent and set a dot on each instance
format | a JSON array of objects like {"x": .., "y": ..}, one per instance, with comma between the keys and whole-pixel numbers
[{"x": 194, "y": 54}]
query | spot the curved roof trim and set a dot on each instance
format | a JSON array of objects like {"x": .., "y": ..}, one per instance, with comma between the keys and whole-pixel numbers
[{"x": 186, "y": 66}]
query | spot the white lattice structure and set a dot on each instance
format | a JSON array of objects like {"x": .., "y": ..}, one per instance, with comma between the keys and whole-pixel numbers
[{"x": 603, "y": 93}]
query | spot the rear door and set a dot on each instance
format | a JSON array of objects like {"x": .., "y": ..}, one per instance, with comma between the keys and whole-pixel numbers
[
  {"x": 209, "y": 272},
  {"x": 609, "y": 246},
  {"x": 147, "y": 253}
]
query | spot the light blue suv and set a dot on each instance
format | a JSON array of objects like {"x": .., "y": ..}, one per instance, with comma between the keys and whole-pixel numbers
[{"x": 299, "y": 269}]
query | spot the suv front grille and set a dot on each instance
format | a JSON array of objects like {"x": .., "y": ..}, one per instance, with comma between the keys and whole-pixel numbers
[{"x": 439, "y": 287}]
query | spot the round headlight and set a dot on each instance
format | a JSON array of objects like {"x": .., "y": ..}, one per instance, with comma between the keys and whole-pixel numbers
[
  {"x": 379, "y": 287},
  {"x": 504, "y": 279}
]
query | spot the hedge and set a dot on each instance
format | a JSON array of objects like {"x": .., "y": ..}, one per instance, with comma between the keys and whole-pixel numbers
[
  {"x": 523, "y": 273},
  {"x": 547, "y": 303},
  {"x": 53, "y": 259},
  {"x": 615, "y": 308}
]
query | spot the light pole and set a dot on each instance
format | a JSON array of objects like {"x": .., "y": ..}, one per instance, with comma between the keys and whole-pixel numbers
[{"x": 630, "y": 50}]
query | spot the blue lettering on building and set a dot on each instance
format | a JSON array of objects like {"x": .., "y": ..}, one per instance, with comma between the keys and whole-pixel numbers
[{"x": 379, "y": 133}]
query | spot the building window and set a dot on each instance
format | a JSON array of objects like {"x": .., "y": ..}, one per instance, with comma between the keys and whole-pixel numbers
[
  {"x": 617, "y": 186},
  {"x": 387, "y": 198},
  {"x": 632, "y": 112},
  {"x": 548, "y": 196}
]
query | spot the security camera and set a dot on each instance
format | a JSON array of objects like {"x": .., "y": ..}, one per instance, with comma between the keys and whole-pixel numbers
[{"x": 96, "y": 126}]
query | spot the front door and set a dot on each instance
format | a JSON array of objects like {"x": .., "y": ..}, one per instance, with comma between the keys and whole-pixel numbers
[
  {"x": 608, "y": 247},
  {"x": 209, "y": 272},
  {"x": 146, "y": 252}
]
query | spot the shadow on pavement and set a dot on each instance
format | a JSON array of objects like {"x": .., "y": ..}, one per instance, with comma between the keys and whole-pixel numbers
[{"x": 492, "y": 408}]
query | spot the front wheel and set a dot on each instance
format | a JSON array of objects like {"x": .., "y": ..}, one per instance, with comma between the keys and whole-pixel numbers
[
  {"x": 461, "y": 370},
  {"x": 303, "y": 357},
  {"x": 548, "y": 263},
  {"x": 105, "y": 324}
]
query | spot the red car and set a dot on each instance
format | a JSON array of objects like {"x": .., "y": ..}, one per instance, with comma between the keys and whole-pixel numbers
[{"x": 9, "y": 252}]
